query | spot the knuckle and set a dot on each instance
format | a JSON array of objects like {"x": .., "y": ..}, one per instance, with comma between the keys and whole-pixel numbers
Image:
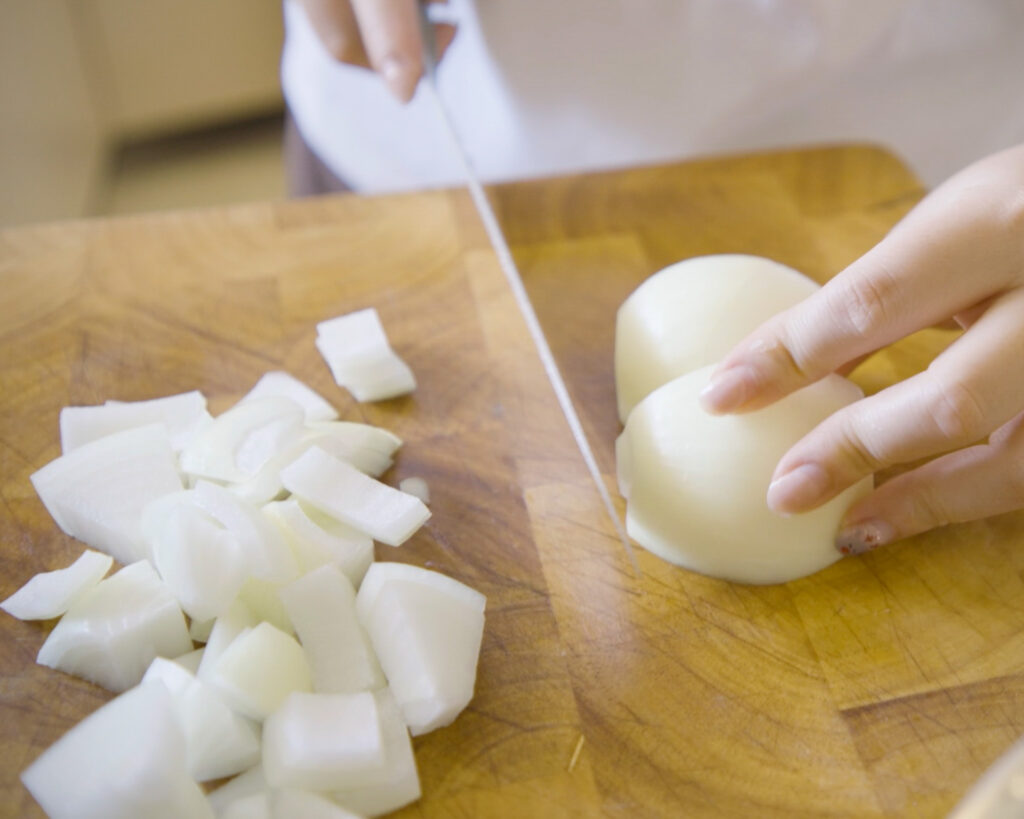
[
  {"x": 855, "y": 452},
  {"x": 927, "y": 508},
  {"x": 866, "y": 303},
  {"x": 958, "y": 412}
]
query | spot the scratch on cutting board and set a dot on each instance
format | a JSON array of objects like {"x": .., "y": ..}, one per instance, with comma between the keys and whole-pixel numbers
[{"x": 576, "y": 753}]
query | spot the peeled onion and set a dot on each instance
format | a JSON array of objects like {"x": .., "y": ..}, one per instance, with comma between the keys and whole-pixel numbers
[
  {"x": 694, "y": 312},
  {"x": 696, "y": 483}
]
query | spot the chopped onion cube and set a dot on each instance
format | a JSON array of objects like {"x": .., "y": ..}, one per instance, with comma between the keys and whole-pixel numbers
[
  {"x": 398, "y": 783},
  {"x": 286, "y": 803},
  {"x": 50, "y": 594},
  {"x": 225, "y": 629},
  {"x": 264, "y": 551},
  {"x": 367, "y": 448},
  {"x": 199, "y": 630},
  {"x": 113, "y": 632},
  {"x": 322, "y": 606},
  {"x": 218, "y": 742},
  {"x": 241, "y": 439},
  {"x": 356, "y": 349},
  {"x": 96, "y": 492},
  {"x": 318, "y": 540},
  {"x": 200, "y": 561},
  {"x": 323, "y": 742},
  {"x": 345, "y": 493},
  {"x": 427, "y": 636},
  {"x": 182, "y": 415},
  {"x": 262, "y": 598},
  {"x": 253, "y": 806},
  {"x": 249, "y": 783},
  {"x": 124, "y": 761},
  {"x": 259, "y": 670},
  {"x": 284, "y": 385},
  {"x": 416, "y": 487},
  {"x": 190, "y": 661}
]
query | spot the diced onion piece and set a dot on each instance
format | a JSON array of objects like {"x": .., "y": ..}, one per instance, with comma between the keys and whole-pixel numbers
[
  {"x": 279, "y": 384},
  {"x": 698, "y": 482},
  {"x": 259, "y": 670},
  {"x": 50, "y": 594},
  {"x": 124, "y": 761},
  {"x": 342, "y": 491},
  {"x": 322, "y": 606},
  {"x": 264, "y": 551},
  {"x": 367, "y": 448},
  {"x": 323, "y": 742},
  {"x": 200, "y": 561},
  {"x": 262, "y": 598},
  {"x": 182, "y": 415},
  {"x": 398, "y": 783},
  {"x": 417, "y": 487},
  {"x": 426, "y": 630},
  {"x": 318, "y": 540},
  {"x": 112, "y": 633},
  {"x": 253, "y": 806},
  {"x": 218, "y": 742},
  {"x": 97, "y": 492},
  {"x": 692, "y": 313},
  {"x": 286, "y": 803},
  {"x": 190, "y": 661},
  {"x": 241, "y": 439},
  {"x": 356, "y": 349},
  {"x": 199, "y": 630},
  {"x": 249, "y": 783},
  {"x": 225, "y": 629}
]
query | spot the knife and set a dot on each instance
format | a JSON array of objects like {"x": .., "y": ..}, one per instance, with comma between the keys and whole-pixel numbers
[{"x": 515, "y": 280}]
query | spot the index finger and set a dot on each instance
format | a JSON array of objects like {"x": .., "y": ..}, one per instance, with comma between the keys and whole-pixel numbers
[
  {"x": 945, "y": 257},
  {"x": 394, "y": 44}
]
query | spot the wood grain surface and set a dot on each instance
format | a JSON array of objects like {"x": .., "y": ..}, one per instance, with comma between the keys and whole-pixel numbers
[{"x": 882, "y": 686}]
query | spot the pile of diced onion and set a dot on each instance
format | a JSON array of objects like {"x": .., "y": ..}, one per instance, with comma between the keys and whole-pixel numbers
[{"x": 253, "y": 534}]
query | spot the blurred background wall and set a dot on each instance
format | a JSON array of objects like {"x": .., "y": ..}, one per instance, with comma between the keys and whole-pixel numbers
[{"x": 114, "y": 106}]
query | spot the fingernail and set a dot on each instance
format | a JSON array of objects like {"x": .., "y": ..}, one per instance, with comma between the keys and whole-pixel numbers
[
  {"x": 728, "y": 390},
  {"x": 400, "y": 77},
  {"x": 798, "y": 490},
  {"x": 865, "y": 536}
]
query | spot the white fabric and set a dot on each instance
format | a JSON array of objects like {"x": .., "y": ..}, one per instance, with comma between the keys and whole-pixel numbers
[{"x": 541, "y": 87}]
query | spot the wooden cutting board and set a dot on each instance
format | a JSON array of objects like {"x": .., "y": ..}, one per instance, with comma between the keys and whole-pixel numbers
[{"x": 883, "y": 685}]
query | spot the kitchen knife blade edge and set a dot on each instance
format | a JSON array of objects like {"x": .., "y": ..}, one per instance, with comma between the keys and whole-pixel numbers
[{"x": 515, "y": 282}]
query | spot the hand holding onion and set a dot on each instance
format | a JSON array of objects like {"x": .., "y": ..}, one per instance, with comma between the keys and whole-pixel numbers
[{"x": 959, "y": 254}]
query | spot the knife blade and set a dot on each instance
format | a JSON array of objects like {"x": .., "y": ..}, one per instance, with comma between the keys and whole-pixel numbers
[{"x": 515, "y": 280}]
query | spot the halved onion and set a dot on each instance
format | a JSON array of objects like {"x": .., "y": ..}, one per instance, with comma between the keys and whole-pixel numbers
[
  {"x": 342, "y": 491},
  {"x": 50, "y": 594},
  {"x": 124, "y": 761},
  {"x": 356, "y": 349},
  {"x": 112, "y": 633},
  {"x": 426, "y": 629},
  {"x": 692, "y": 313},
  {"x": 97, "y": 491},
  {"x": 322, "y": 606},
  {"x": 697, "y": 482}
]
